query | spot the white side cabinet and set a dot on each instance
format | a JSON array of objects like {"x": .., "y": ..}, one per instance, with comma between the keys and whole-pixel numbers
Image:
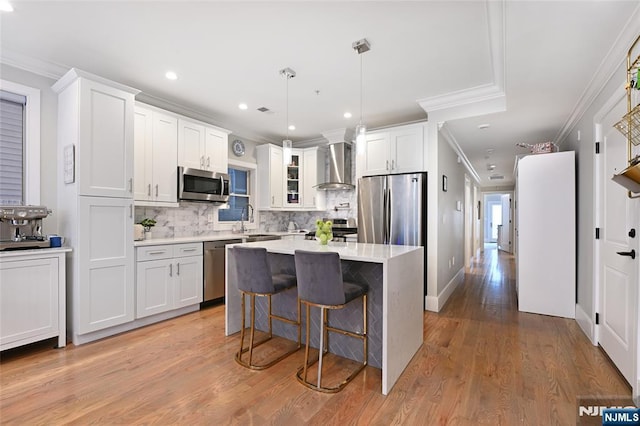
[
  {"x": 168, "y": 277},
  {"x": 156, "y": 152},
  {"x": 395, "y": 150},
  {"x": 95, "y": 208},
  {"x": 32, "y": 297},
  {"x": 202, "y": 147}
]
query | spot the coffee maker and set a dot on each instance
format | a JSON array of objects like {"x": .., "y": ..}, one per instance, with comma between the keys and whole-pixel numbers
[{"x": 21, "y": 227}]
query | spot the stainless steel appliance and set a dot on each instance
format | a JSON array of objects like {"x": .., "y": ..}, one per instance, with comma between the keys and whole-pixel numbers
[
  {"x": 21, "y": 227},
  {"x": 341, "y": 228},
  {"x": 392, "y": 209},
  {"x": 202, "y": 185},
  {"x": 214, "y": 263},
  {"x": 339, "y": 167}
]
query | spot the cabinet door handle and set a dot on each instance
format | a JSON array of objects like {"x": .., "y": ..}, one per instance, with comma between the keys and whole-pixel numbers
[
  {"x": 178, "y": 269},
  {"x": 631, "y": 254},
  {"x": 202, "y": 161},
  {"x": 273, "y": 200},
  {"x": 130, "y": 210},
  {"x": 393, "y": 164},
  {"x": 208, "y": 162},
  {"x": 314, "y": 200},
  {"x": 131, "y": 185},
  {"x": 387, "y": 165},
  {"x": 171, "y": 269},
  {"x": 149, "y": 190},
  {"x": 156, "y": 190}
]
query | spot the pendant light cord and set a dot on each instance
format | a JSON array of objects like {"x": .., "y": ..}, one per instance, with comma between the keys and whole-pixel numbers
[
  {"x": 287, "y": 123},
  {"x": 361, "y": 113}
]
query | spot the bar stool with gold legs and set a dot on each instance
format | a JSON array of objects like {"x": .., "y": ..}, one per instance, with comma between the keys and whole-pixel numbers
[
  {"x": 254, "y": 278},
  {"x": 320, "y": 284}
]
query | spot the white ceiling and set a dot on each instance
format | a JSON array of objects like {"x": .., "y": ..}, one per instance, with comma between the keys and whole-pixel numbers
[{"x": 540, "y": 55}]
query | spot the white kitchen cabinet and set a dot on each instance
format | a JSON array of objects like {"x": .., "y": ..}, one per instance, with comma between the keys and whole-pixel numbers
[
  {"x": 156, "y": 151},
  {"x": 290, "y": 186},
  {"x": 270, "y": 176},
  {"x": 202, "y": 147},
  {"x": 32, "y": 297},
  {"x": 394, "y": 150},
  {"x": 313, "y": 172},
  {"x": 168, "y": 277},
  {"x": 95, "y": 208},
  {"x": 98, "y": 121},
  {"x": 105, "y": 281}
]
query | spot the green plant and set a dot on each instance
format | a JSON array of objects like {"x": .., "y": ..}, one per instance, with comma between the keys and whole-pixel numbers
[{"x": 148, "y": 223}]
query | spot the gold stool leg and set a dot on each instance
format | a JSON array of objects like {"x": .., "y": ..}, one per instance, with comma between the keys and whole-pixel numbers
[
  {"x": 306, "y": 349},
  {"x": 253, "y": 326},
  {"x": 321, "y": 350},
  {"x": 269, "y": 317},
  {"x": 364, "y": 329},
  {"x": 242, "y": 329}
]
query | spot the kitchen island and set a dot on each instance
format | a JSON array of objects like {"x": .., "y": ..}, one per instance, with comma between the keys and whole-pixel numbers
[{"x": 395, "y": 275}]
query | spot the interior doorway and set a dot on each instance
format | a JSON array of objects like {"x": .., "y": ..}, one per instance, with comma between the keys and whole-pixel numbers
[{"x": 498, "y": 220}]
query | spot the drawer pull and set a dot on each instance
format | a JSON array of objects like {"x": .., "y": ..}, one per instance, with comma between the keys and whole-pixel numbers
[
  {"x": 189, "y": 249},
  {"x": 158, "y": 252}
]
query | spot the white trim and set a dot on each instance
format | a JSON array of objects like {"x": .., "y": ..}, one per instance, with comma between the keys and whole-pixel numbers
[
  {"x": 434, "y": 304},
  {"x": 253, "y": 185},
  {"x": 33, "y": 65},
  {"x": 603, "y": 73},
  {"x": 586, "y": 324},
  {"x": 32, "y": 139},
  {"x": 453, "y": 142}
]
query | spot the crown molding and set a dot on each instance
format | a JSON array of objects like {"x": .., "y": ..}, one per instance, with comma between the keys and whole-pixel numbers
[
  {"x": 451, "y": 140},
  {"x": 36, "y": 66},
  {"x": 605, "y": 71}
]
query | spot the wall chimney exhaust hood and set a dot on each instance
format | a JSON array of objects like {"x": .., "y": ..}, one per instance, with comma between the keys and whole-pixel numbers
[{"x": 339, "y": 168}]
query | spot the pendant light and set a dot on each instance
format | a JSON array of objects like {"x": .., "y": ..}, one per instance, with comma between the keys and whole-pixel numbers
[
  {"x": 287, "y": 145},
  {"x": 361, "y": 46}
]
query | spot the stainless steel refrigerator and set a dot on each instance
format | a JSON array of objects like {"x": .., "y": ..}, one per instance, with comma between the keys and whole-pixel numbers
[{"x": 392, "y": 209}]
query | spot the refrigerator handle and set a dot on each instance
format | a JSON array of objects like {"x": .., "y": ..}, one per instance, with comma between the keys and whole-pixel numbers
[{"x": 386, "y": 217}]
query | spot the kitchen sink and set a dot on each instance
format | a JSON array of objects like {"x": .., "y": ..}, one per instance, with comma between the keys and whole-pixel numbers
[{"x": 250, "y": 238}]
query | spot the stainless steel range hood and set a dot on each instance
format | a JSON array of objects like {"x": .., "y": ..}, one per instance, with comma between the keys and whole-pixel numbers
[{"x": 339, "y": 168}]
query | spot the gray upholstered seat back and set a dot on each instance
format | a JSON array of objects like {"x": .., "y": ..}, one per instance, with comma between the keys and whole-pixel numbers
[
  {"x": 252, "y": 270},
  {"x": 319, "y": 277}
]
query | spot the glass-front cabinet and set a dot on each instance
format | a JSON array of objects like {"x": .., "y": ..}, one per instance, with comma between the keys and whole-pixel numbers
[{"x": 292, "y": 180}]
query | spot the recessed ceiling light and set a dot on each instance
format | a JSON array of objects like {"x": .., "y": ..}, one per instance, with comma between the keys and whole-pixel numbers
[
  {"x": 292, "y": 127},
  {"x": 484, "y": 126},
  {"x": 5, "y": 6},
  {"x": 243, "y": 106},
  {"x": 171, "y": 75},
  {"x": 347, "y": 114}
]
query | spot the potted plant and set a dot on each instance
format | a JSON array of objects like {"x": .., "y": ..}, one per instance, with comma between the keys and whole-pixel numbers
[{"x": 148, "y": 224}]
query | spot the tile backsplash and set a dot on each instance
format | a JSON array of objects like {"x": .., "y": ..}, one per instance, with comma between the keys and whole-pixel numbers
[{"x": 191, "y": 219}]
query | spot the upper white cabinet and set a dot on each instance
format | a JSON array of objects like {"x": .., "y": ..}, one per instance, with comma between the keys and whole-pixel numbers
[
  {"x": 313, "y": 163},
  {"x": 394, "y": 150},
  {"x": 202, "y": 147},
  {"x": 270, "y": 176},
  {"x": 290, "y": 186},
  {"x": 156, "y": 151},
  {"x": 96, "y": 117}
]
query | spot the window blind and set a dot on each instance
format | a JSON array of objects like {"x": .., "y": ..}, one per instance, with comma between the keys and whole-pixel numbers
[{"x": 11, "y": 148}]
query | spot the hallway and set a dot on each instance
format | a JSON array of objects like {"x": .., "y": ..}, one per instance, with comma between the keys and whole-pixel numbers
[{"x": 482, "y": 362}]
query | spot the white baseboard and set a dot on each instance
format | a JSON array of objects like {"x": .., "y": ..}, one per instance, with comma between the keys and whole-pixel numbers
[
  {"x": 435, "y": 303},
  {"x": 586, "y": 324}
]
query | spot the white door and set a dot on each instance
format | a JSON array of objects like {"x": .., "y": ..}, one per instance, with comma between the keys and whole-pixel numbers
[
  {"x": 407, "y": 150},
  {"x": 154, "y": 287},
  {"x": 216, "y": 150},
  {"x": 276, "y": 173},
  {"x": 143, "y": 134},
  {"x": 190, "y": 144},
  {"x": 377, "y": 154},
  {"x": 618, "y": 273},
  {"x": 165, "y": 161},
  {"x": 505, "y": 236},
  {"x": 188, "y": 281}
]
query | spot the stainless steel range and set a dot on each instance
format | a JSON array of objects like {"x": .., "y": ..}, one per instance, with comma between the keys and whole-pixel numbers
[
  {"x": 341, "y": 228},
  {"x": 21, "y": 227}
]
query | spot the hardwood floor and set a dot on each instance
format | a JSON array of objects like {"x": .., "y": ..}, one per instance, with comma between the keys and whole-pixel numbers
[{"x": 482, "y": 362}]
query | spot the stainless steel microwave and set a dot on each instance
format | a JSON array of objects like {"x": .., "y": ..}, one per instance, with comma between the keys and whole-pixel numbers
[{"x": 202, "y": 185}]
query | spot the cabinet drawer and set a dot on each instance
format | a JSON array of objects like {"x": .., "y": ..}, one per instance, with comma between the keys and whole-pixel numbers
[
  {"x": 190, "y": 249},
  {"x": 154, "y": 252}
]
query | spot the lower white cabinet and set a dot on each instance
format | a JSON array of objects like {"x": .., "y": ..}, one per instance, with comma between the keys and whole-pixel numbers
[
  {"x": 168, "y": 277},
  {"x": 32, "y": 298}
]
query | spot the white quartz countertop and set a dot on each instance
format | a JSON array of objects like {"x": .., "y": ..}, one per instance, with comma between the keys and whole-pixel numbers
[
  {"x": 203, "y": 238},
  {"x": 363, "y": 252},
  {"x": 37, "y": 251}
]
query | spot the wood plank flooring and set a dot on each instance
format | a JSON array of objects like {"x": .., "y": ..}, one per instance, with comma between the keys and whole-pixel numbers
[{"x": 482, "y": 362}]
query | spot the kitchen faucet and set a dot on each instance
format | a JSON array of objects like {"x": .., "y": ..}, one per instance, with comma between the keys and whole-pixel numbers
[{"x": 248, "y": 209}]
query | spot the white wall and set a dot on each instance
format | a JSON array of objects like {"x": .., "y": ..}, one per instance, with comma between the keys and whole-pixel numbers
[{"x": 48, "y": 132}]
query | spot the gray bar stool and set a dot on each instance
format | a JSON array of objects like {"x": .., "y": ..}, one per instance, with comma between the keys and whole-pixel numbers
[
  {"x": 320, "y": 284},
  {"x": 255, "y": 279}
]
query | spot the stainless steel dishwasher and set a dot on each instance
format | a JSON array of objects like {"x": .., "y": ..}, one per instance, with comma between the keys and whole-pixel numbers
[
  {"x": 214, "y": 262},
  {"x": 214, "y": 278}
]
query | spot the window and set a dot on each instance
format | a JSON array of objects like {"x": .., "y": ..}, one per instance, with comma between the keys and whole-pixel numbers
[
  {"x": 12, "y": 162},
  {"x": 19, "y": 144},
  {"x": 239, "y": 189}
]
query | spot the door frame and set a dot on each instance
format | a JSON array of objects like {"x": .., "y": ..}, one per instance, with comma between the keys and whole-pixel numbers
[{"x": 619, "y": 95}]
